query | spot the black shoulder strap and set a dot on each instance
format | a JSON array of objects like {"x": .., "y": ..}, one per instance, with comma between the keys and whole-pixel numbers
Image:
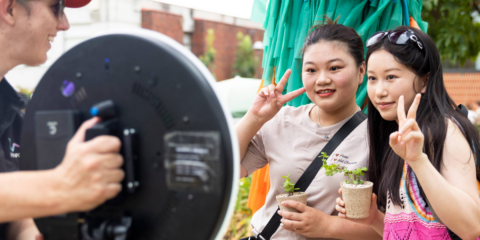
[
  {"x": 312, "y": 170},
  {"x": 463, "y": 109}
]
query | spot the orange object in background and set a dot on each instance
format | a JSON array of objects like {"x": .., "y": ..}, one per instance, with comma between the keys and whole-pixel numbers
[
  {"x": 478, "y": 186},
  {"x": 259, "y": 188},
  {"x": 413, "y": 23}
]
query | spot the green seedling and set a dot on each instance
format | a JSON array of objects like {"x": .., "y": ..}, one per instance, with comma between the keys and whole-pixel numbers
[
  {"x": 289, "y": 186},
  {"x": 353, "y": 175}
]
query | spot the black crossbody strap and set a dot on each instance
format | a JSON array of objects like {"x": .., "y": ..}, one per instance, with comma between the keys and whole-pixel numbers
[{"x": 312, "y": 170}]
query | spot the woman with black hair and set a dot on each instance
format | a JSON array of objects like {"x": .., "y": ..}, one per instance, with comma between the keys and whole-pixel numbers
[
  {"x": 422, "y": 162},
  {"x": 290, "y": 138}
]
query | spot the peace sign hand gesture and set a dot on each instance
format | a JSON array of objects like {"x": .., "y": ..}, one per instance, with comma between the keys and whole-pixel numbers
[
  {"x": 270, "y": 100},
  {"x": 408, "y": 141}
]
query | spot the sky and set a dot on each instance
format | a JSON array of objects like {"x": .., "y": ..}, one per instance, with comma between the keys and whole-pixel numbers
[{"x": 235, "y": 8}]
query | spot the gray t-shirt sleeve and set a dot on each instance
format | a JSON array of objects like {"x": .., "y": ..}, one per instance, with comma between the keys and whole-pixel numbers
[{"x": 255, "y": 157}]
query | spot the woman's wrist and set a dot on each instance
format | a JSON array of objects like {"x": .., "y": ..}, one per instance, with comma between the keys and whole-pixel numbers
[
  {"x": 378, "y": 222},
  {"x": 419, "y": 162},
  {"x": 329, "y": 230},
  {"x": 254, "y": 120},
  {"x": 377, "y": 219}
]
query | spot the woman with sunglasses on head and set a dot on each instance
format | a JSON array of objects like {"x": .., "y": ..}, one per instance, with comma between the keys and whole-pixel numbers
[
  {"x": 289, "y": 138},
  {"x": 89, "y": 173},
  {"x": 422, "y": 147}
]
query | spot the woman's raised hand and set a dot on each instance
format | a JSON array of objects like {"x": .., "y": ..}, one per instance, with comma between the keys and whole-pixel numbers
[
  {"x": 407, "y": 142},
  {"x": 270, "y": 100}
]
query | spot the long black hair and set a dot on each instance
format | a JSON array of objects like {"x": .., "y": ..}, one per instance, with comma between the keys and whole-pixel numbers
[{"x": 386, "y": 167}]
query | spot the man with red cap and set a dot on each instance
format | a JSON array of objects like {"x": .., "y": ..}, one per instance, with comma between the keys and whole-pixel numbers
[{"x": 90, "y": 172}]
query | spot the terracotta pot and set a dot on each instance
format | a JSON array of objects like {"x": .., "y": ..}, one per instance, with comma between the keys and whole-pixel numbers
[
  {"x": 297, "y": 196},
  {"x": 357, "y": 199}
]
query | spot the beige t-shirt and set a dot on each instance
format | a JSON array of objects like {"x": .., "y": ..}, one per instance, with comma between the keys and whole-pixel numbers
[{"x": 290, "y": 142}]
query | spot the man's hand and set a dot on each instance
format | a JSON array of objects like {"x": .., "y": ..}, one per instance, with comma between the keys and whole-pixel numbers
[{"x": 90, "y": 172}]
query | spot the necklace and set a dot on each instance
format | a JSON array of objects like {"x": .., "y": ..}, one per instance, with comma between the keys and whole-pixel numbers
[{"x": 325, "y": 136}]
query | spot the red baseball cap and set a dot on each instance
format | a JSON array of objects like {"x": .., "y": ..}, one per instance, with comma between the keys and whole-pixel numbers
[{"x": 76, "y": 3}]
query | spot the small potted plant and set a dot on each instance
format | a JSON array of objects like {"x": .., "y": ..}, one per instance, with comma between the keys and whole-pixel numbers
[
  {"x": 290, "y": 194},
  {"x": 356, "y": 193}
]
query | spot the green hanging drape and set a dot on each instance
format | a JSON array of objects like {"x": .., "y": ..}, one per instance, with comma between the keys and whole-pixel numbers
[{"x": 287, "y": 23}]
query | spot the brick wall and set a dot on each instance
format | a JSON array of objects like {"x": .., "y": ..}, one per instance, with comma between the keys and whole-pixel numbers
[
  {"x": 163, "y": 22},
  {"x": 225, "y": 45},
  {"x": 463, "y": 88},
  {"x": 225, "y": 42}
]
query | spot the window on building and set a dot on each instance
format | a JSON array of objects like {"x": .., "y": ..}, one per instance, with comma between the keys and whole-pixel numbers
[{"x": 187, "y": 40}]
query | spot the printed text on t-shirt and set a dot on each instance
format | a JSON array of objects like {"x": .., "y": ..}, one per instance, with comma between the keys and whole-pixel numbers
[{"x": 340, "y": 158}]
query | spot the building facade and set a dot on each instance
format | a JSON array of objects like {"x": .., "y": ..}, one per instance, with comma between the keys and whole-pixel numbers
[{"x": 186, "y": 26}]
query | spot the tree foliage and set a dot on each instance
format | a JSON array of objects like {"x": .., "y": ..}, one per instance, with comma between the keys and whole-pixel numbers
[
  {"x": 451, "y": 25},
  {"x": 245, "y": 60},
  {"x": 209, "y": 57}
]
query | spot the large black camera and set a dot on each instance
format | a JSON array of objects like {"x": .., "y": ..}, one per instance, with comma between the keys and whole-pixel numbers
[{"x": 180, "y": 153}]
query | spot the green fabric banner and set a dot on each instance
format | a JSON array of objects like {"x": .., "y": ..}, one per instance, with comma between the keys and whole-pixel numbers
[{"x": 287, "y": 23}]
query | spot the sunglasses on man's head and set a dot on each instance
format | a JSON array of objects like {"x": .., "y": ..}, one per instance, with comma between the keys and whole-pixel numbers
[{"x": 400, "y": 37}]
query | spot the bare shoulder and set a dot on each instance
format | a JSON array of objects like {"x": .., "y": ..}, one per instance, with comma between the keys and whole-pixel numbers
[
  {"x": 456, "y": 145},
  {"x": 458, "y": 160}
]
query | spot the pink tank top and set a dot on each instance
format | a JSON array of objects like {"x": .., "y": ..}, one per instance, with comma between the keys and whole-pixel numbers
[{"x": 414, "y": 219}]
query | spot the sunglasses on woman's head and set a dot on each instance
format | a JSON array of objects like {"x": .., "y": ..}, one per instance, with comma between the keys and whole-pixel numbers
[{"x": 400, "y": 37}]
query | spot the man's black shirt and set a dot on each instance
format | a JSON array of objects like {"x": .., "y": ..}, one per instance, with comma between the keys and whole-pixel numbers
[{"x": 11, "y": 117}]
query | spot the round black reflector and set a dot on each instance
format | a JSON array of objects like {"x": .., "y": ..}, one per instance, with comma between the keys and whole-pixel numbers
[{"x": 180, "y": 152}]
